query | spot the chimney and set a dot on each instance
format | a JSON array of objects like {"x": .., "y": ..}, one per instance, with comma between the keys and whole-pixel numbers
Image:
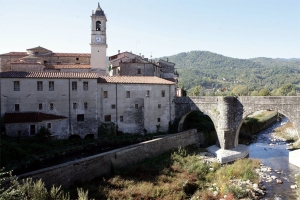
[
  {"x": 143, "y": 56},
  {"x": 118, "y": 51},
  {"x": 140, "y": 54},
  {"x": 167, "y": 59}
]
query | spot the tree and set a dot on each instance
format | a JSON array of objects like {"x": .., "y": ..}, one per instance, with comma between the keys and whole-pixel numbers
[
  {"x": 264, "y": 92},
  {"x": 241, "y": 90},
  {"x": 197, "y": 90},
  {"x": 286, "y": 90}
]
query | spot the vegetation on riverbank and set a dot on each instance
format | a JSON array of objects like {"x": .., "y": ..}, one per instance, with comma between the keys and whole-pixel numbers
[
  {"x": 177, "y": 174},
  {"x": 254, "y": 124},
  {"x": 288, "y": 133}
]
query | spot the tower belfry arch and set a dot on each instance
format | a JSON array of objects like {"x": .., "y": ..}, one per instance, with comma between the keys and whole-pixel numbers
[{"x": 98, "y": 41}]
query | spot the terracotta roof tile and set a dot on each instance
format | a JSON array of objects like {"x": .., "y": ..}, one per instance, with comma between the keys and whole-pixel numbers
[
  {"x": 26, "y": 63},
  {"x": 69, "y": 66},
  {"x": 24, "y": 117},
  {"x": 15, "y": 74},
  {"x": 134, "y": 80},
  {"x": 72, "y": 54},
  {"x": 14, "y": 54},
  {"x": 53, "y": 54}
]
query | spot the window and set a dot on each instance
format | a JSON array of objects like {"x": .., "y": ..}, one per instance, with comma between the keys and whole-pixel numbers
[
  {"x": 158, "y": 119},
  {"x": 16, "y": 85},
  {"x": 107, "y": 118},
  {"x": 121, "y": 118},
  {"x": 105, "y": 94},
  {"x": 36, "y": 53},
  {"x": 85, "y": 86},
  {"x": 80, "y": 117},
  {"x": 49, "y": 125},
  {"x": 17, "y": 107},
  {"x": 51, "y": 85},
  {"x": 32, "y": 129},
  {"x": 40, "y": 86},
  {"x": 127, "y": 94},
  {"x": 40, "y": 106},
  {"x": 136, "y": 106},
  {"x": 77, "y": 58},
  {"x": 113, "y": 106},
  {"x": 147, "y": 93},
  {"x": 74, "y": 105},
  {"x": 159, "y": 106},
  {"x": 163, "y": 93},
  {"x": 139, "y": 71},
  {"x": 74, "y": 85},
  {"x": 98, "y": 26},
  {"x": 51, "y": 106},
  {"x": 85, "y": 105}
]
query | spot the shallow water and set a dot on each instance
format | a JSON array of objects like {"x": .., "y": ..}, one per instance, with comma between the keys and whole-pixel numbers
[{"x": 276, "y": 157}]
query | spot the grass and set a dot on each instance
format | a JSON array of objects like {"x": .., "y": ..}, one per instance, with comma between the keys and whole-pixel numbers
[{"x": 177, "y": 174}]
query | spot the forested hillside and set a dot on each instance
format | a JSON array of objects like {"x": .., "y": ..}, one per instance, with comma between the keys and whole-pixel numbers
[{"x": 211, "y": 70}]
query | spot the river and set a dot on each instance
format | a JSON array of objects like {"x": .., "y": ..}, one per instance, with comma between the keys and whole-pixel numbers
[{"x": 275, "y": 156}]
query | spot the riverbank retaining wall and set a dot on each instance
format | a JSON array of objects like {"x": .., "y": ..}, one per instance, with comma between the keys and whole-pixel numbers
[
  {"x": 254, "y": 128},
  {"x": 104, "y": 164}
]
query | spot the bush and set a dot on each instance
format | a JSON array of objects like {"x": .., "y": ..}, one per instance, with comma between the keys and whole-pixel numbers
[
  {"x": 11, "y": 189},
  {"x": 43, "y": 133}
]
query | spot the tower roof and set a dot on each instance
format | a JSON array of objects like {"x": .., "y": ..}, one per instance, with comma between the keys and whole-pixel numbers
[{"x": 99, "y": 11}]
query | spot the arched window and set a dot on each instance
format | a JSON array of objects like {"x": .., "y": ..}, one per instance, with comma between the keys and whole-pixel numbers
[{"x": 98, "y": 26}]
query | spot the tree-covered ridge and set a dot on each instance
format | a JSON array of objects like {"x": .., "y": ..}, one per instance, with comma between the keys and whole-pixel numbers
[{"x": 211, "y": 70}]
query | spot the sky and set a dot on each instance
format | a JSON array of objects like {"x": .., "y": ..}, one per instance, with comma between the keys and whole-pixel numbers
[{"x": 157, "y": 28}]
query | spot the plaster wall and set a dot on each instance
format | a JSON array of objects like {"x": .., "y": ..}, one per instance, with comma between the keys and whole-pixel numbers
[
  {"x": 62, "y": 99},
  {"x": 138, "y": 111},
  {"x": 131, "y": 69},
  {"x": 23, "y": 129}
]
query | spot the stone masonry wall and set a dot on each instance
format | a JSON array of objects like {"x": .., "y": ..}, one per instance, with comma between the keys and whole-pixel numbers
[{"x": 103, "y": 164}]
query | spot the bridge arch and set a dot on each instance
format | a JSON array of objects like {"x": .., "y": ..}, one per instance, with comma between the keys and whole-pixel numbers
[
  {"x": 183, "y": 118},
  {"x": 249, "y": 111}
]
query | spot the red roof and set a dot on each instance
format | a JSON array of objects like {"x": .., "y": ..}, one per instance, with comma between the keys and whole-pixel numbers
[
  {"x": 24, "y": 117},
  {"x": 52, "y": 54},
  {"x": 72, "y": 54},
  {"x": 69, "y": 66},
  {"x": 16, "y": 74},
  {"x": 14, "y": 54},
  {"x": 134, "y": 79}
]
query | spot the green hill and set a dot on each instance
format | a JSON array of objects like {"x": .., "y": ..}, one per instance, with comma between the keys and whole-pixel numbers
[{"x": 211, "y": 70}]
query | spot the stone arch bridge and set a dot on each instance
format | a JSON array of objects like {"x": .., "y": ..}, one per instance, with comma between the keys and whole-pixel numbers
[{"x": 228, "y": 113}]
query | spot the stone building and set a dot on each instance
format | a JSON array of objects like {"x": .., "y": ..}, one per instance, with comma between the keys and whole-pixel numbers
[
  {"x": 72, "y": 93},
  {"x": 39, "y": 59},
  {"x": 129, "y": 64},
  {"x": 78, "y": 103}
]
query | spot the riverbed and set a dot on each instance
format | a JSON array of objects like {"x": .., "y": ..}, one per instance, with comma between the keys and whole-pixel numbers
[{"x": 275, "y": 155}]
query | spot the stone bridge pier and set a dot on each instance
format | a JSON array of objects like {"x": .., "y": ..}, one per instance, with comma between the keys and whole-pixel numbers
[{"x": 225, "y": 112}]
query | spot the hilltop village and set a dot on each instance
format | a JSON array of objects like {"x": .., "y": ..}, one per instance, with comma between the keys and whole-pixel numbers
[{"x": 76, "y": 93}]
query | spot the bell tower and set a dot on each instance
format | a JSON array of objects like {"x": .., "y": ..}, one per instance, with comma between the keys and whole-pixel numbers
[{"x": 98, "y": 41}]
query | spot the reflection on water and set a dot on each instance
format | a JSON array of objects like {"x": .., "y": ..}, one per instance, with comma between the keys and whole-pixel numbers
[{"x": 275, "y": 155}]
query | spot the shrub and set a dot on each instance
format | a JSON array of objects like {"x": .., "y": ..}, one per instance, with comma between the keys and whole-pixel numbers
[{"x": 43, "y": 133}]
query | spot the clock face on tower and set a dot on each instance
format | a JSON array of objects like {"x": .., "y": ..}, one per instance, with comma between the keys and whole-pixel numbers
[{"x": 98, "y": 39}]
